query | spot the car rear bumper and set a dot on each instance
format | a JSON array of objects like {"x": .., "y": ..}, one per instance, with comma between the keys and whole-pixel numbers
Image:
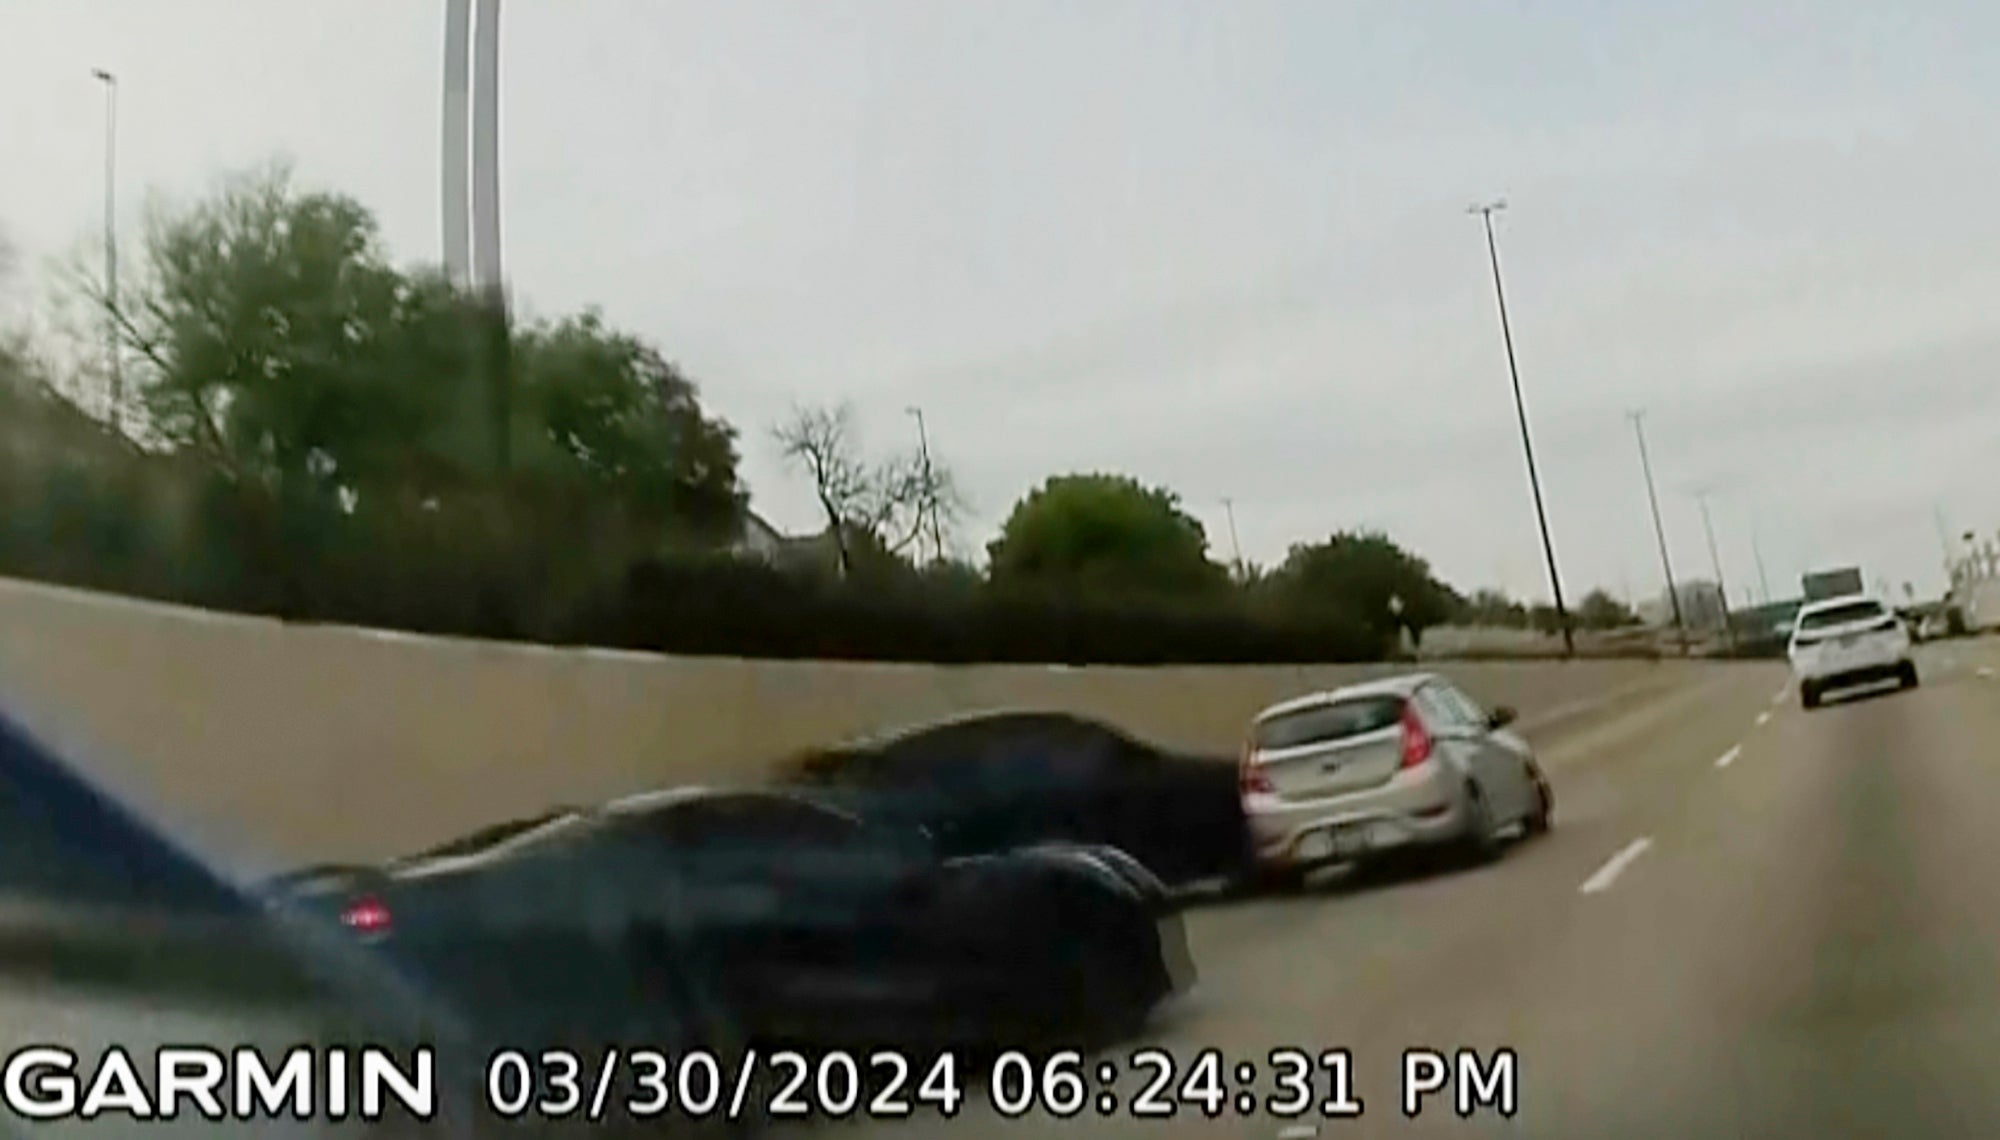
[
  {"x": 1867, "y": 657},
  {"x": 1871, "y": 673},
  {"x": 1417, "y": 806}
]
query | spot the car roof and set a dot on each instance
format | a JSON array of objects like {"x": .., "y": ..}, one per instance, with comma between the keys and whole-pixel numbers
[
  {"x": 667, "y": 798},
  {"x": 880, "y": 737},
  {"x": 1400, "y": 685},
  {"x": 1840, "y": 602}
]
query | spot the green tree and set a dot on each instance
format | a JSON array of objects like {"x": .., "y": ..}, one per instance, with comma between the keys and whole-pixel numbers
[
  {"x": 1107, "y": 533},
  {"x": 609, "y": 420},
  {"x": 1367, "y": 575},
  {"x": 1543, "y": 618},
  {"x": 269, "y": 333},
  {"x": 1599, "y": 610},
  {"x": 1493, "y": 608}
]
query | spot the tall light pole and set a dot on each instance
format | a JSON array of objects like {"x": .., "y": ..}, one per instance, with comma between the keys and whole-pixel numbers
[
  {"x": 470, "y": 205},
  {"x": 1486, "y": 213},
  {"x": 929, "y": 505},
  {"x": 1728, "y": 630},
  {"x": 1757, "y": 552},
  {"x": 455, "y": 143},
  {"x": 486, "y": 270},
  {"x": 1944, "y": 542},
  {"x": 111, "y": 360},
  {"x": 1235, "y": 547},
  {"x": 1659, "y": 530}
]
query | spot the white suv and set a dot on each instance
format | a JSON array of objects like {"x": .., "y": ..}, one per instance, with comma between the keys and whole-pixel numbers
[{"x": 1851, "y": 640}]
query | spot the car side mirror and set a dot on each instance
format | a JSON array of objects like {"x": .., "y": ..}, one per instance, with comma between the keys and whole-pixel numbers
[{"x": 1501, "y": 717}]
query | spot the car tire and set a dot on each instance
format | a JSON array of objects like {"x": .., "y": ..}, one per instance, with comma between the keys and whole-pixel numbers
[
  {"x": 1481, "y": 842},
  {"x": 1117, "y": 975},
  {"x": 1906, "y": 676},
  {"x": 1808, "y": 695},
  {"x": 1541, "y": 817}
]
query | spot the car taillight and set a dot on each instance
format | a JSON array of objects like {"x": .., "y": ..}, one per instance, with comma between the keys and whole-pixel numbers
[
  {"x": 1416, "y": 738},
  {"x": 1250, "y": 775},
  {"x": 366, "y": 916}
]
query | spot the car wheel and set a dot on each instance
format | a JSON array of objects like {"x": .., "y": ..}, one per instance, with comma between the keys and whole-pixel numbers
[
  {"x": 1117, "y": 976},
  {"x": 1907, "y": 675},
  {"x": 1481, "y": 842},
  {"x": 1541, "y": 817},
  {"x": 1808, "y": 695}
]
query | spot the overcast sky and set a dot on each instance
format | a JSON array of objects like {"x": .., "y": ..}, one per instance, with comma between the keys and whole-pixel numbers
[{"x": 1220, "y": 246}]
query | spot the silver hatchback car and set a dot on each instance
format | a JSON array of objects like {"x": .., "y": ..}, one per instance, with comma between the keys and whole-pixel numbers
[{"x": 1384, "y": 766}]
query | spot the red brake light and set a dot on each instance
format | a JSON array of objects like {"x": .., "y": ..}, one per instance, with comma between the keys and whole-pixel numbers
[
  {"x": 367, "y": 916},
  {"x": 1250, "y": 776},
  {"x": 1416, "y": 738}
]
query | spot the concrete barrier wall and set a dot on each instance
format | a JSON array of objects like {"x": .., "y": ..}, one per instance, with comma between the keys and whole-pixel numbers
[{"x": 315, "y": 742}]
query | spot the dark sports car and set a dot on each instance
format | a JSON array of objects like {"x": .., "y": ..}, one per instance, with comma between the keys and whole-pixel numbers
[
  {"x": 999, "y": 780},
  {"x": 806, "y": 926}
]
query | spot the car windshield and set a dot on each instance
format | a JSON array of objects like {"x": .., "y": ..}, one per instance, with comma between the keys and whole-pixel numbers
[
  {"x": 1325, "y": 723},
  {"x": 1845, "y": 614}
]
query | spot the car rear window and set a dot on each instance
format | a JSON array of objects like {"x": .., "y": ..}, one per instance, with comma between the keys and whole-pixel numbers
[
  {"x": 1840, "y": 615},
  {"x": 1320, "y": 724}
]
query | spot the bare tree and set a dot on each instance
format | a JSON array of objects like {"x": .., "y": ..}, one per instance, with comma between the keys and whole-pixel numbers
[{"x": 890, "y": 501}]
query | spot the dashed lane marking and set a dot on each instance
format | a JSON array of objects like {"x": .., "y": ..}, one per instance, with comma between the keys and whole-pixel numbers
[{"x": 1615, "y": 866}]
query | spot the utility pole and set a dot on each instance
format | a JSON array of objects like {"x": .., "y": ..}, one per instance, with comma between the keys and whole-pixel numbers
[
  {"x": 1728, "y": 630},
  {"x": 929, "y": 507},
  {"x": 112, "y": 362},
  {"x": 1944, "y": 543},
  {"x": 1757, "y": 552},
  {"x": 1638, "y": 419},
  {"x": 1486, "y": 213},
  {"x": 1235, "y": 547}
]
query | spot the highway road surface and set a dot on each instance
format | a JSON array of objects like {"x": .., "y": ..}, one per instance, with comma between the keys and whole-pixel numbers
[{"x": 1751, "y": 920}]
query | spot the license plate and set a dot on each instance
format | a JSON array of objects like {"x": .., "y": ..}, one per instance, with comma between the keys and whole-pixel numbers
[
  {"x": 1316, "y": 845},
  {"x": 1336, "y": 842},
  {"x": 1352, "y": 840},
  {"x": 1849, "y": 641}
]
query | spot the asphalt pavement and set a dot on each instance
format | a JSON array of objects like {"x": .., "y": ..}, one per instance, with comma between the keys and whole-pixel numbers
[{"x": 1750, "y": 920}]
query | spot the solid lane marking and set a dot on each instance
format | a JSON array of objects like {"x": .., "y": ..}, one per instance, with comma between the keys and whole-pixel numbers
[
  {"x": 1729, "y": 757},
  {"x": 1297, "y": 1132},
  {"x": 1764, "y": 717},
  {"x": 1615, "y": 866},
  {"x": 1780, "y": 698}
]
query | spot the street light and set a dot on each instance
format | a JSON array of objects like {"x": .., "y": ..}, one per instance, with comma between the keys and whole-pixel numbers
[
  {"x": 1728, "y": 629},
  {"x": 1235, "y": 547},
  {"x": 1757, "y": 552},
  {"x": 929, "y": 505},
  {"x": 112, "y": 363},
  {"x": 1486, "y": 213},
  {"x": 1659, "y": 531}
]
